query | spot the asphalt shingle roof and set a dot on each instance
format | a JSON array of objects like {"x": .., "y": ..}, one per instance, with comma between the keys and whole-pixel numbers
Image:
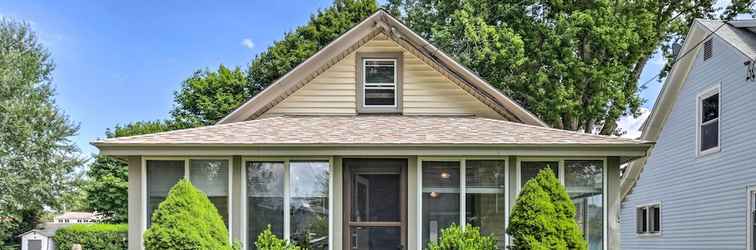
[{"x": 368, "y": 130}]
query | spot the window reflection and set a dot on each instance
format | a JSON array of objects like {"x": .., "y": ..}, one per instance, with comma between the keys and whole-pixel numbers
[
  {"x": 485, "y": 197},
  {"x": 211, "y": 176},
  {"x": 584, "y": 181},
  {"x": 440, "y": 197},
  {"x": 309, "y": 204},
  {"x": 265, "y": 199}
]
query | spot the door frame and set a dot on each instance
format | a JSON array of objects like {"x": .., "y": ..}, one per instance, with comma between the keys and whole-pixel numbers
[{"x": 347, "y": 201}]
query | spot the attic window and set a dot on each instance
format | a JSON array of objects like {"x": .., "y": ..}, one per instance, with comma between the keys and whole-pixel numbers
[
  {"x": 379, "y": 80},
  {"x": 707, "y": 49}
]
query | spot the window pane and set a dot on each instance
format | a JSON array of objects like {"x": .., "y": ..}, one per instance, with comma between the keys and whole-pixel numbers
[
  {"x": 710, "y": 108},
  {"x": 309, "y": 204},
  {"x": 161, "y": 177},
  {"x": 384, "y": 97},
  {"x": 440, "y": 198},
  {"x": 485, "y": 197},
  {"x": 642, "y": 220},
  {"x": 584, "y": 181},
  {"x": 529, "y": 169},
  {"x": 375, "y": 238},
  {"x": 376, "y": 197},
  {"x": 211, "y": 176},
  {"x": 710, "y": 135},
  {"x": 265, "y": 199},
  {"x": 379, "y": 71},
  {"x": 656, "y": 219}
]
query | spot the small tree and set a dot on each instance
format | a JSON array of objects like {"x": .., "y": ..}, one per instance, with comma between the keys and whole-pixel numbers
[
  {"x": 455, "y": 237},
  {"x": 544, "y": 216},
  {"x": 186, "y": 220},
  {"x": 269, "y": 241}
]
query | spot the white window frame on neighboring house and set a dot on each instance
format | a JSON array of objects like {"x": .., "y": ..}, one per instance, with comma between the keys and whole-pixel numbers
[
  {"x": 709, "y": 92},
  {"x": 287, "y": 194},
  {"x": 187, "y": 166},
  {"x": 751, "y": 198},
  {"x": 561, "y": 168},
  {"x": 462, "y": 198},
  {"x": 649, "y": 230}
]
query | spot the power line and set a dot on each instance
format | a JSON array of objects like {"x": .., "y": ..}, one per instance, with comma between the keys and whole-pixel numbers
[{"x": 657, "y": 76}]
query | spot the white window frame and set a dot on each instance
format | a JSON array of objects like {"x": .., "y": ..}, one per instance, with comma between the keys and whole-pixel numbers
[
  {"x": 749, "y": 217},
  {"x": 717, "y": 89},
  {"x": 382, "y": 85},
  {"x": 648, "y": 206},
  {"x": 187, "y": 166},
  {"x": 561, "y": 171},
  {"x": 287, "y": 194},
  {"x": 462, "y": 190}
]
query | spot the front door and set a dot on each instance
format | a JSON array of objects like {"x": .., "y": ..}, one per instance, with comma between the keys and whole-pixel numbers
[{"x": 375, "y": 204}]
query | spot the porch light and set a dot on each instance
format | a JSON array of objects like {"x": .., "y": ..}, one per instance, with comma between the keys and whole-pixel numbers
[
  {"x": 433, "y": 194},
  {"x": 445, "y": 175}
]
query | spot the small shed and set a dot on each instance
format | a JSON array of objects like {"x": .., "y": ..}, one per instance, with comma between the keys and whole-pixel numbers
[{"x": 41, "y": 239}]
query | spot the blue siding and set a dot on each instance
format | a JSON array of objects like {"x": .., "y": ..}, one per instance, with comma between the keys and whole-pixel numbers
[{"x": 703, "y": 199}]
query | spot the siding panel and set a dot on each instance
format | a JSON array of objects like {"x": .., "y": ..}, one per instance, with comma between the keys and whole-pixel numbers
[
  {"x": 425, "y": 91},
  {"x": 703, "y": 199}
]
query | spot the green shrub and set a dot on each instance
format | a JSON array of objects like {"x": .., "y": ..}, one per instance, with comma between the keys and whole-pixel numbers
[
  {"x": 469, "y": 238},
  {"x": 544, "y": 217},
  {"x": 269, "y": 241},
  {"x": 93, "y": 236},
  {"x": 186, "y": 220}
]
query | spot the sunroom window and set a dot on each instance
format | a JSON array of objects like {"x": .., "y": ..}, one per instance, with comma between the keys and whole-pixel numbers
[{"x": 708, "y": 122}]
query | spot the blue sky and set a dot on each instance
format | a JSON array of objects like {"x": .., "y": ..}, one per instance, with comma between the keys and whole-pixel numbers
[{"x": 121, "y": 61}]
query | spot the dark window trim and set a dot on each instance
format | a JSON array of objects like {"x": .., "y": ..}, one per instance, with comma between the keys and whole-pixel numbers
[
  {"x": 645, "y": 220},
  {"x": 703, "y": 95},
  {"x": 359, "y": 61}
]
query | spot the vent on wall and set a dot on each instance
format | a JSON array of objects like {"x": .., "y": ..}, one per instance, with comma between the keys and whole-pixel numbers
[{"x": 707, "y": 50}]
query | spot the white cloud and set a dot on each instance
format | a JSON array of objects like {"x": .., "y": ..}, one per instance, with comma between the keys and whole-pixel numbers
[
  {"x": 631, "y": 125},
  {"x": 247, "y": 42}
]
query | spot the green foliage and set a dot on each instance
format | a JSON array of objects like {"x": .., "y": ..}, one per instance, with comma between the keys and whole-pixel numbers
[
  {"x": 469, "y": 238},
  {"x": 107, "y": 188},
  {"x": 186, "y": 220},
  {"x": 36, "y": 155},
  {"x": 269, "y": 241},
  {"x": 208, "y": 96},
  {"x": 575, "y": 64},
  {"x": 93, "y": 236},
  {"x": 544, "y": 216}
]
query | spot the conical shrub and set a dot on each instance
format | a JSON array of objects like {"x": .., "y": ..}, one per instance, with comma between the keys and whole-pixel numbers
[
  {"x": 186, "y": 220},
  {"x": 544, "y": 217}
]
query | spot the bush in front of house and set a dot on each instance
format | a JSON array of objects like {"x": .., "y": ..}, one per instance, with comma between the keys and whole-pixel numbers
[
  {"x": 544, "y": 217},
  {"x": 269, "y": 241},
  {"x": 469, "y": 237},
  {"x": 186, "y": 220},
  {"x": 93, "y": 236}
]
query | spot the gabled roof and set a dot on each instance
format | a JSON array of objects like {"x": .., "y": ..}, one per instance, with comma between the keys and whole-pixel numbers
[
  {"x": 738, "y": 34},
  {"x": 380, "y": 22},
  {"x": 365, "y": 130}
]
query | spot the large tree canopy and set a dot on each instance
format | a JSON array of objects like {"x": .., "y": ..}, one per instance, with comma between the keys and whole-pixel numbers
[
  {"x": 208, "y": 96},
  {"x": 35, "y": 154},
  {"x": 575, "y": 64}
]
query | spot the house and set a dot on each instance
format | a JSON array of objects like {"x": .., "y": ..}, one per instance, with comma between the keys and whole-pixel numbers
[
  {"x": 42, "y": 238},
  {"x": 696, "y": 188},
  {"x": 76, "y": 218},
  {"x": 378, "y": 141}
]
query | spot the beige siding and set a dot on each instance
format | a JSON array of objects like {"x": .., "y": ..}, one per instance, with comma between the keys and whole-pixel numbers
[{"x": 426, "y": 91}]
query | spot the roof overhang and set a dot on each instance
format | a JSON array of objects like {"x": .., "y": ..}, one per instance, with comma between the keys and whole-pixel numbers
[{"x": 380, "y": 21}]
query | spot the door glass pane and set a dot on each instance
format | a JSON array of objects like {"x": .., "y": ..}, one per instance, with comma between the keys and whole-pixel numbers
[
  {"x": 529, "y": 169},
  {"x": 440, "y": 198},
  {"x": 376, "y": 197},
  {"x": 211, "y": 176},
  {"x": 161, "y": 177},
  {"x": 376, "y": 238},
  {"x": 485, "y": 197},
  {"x": 265, "y": 199},
  {"x": 309, "y": 203},
  {"x": 584, "y": 181}
]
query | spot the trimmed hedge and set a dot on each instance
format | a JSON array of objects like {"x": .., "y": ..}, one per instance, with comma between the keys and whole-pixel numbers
[
  {"x": 469, "y": 238},
  {"x": 186, "y": 220},
  {"x": 93, "y": 236},
  {"x": 544, "y": 217}
]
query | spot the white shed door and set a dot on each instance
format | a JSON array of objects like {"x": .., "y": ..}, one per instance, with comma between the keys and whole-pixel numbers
[{"x": 34, "y": 245}]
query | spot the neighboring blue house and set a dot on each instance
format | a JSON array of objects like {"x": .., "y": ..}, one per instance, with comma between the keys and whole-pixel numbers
[{"x": 697, "y": 187}]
